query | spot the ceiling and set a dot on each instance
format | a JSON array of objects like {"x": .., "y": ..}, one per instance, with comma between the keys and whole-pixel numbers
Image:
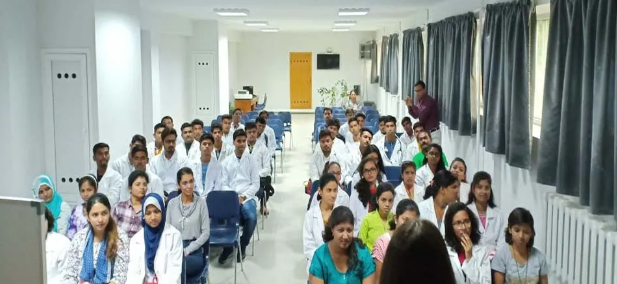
[{"x": 295, "y": 15}]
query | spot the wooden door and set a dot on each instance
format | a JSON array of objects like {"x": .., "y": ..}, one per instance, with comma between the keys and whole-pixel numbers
[{"x": 301, "y": 80}]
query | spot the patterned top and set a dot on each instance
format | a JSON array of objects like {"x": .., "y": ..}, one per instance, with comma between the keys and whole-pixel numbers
[
  {"x": 128, "y": 220},
  {"x": 77, "y": 222},
  {"x": 381, "y": 246},
  {"x": 73, "y": 262}
]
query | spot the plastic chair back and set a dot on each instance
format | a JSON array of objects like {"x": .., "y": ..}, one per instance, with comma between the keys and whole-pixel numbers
[
  {"x": 393, "y": 173},
  {"x": 214, "y": 122},
  {"x": 285, "y": 117},
  {"x": 207, "y": 129},
  {"x": 223, "y": 208}
]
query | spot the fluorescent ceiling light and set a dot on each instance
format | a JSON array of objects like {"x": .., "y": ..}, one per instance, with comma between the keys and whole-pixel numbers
[
  {"x": 232, "y": 12},
  {"x": 344, "y": 23},
  {"x": 353, "y": 12},
  {"x": 256, "y": 23},
  {"x": 340, "y": 30},
  {"x": 270, "y": 30}
]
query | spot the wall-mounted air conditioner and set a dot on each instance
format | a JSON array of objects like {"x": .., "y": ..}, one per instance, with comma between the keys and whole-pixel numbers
[{"x": 365, "y": 51}]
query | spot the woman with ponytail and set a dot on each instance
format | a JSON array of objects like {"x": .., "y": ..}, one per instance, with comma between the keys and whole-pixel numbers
[
  {"x": 100, "y": 252},
  {"x": 343, "y": 258},
  {"x": 361, "y": 194},
  {"x": 87, "y": 187},
  {"x": 442, "y": 191}
]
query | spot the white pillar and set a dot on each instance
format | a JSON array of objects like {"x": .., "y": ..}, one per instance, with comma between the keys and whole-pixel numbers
[
  {"x": 223, "y": 59},
  {"x": 205, "y": 39}
]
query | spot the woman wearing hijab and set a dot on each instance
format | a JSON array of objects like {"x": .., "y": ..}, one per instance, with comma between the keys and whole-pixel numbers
[
  {"x": 156, "y": 249},
  {"x": 44, "y": 188}
]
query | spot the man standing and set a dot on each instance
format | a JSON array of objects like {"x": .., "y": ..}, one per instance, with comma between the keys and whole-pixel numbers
[
  {"x": 123, "y": 165},
  {"x": 426, "y": 111},
  {"x": 109, "y": 181},
  {"x": 156, "y": 147}
]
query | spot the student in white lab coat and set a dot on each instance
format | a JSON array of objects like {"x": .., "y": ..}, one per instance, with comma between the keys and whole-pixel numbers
[
  {"x": 262, "y": 157},
  {"x": 169, "y": 123},
  {"x": 109, "y": 181},
  {"x": 342, "y": 198},
  {"x": 356, "y": 149},
  {"x": 190, "y": 146},
  {"x": 470, "y": 260},
  {"x": 139, "y": 162},
  {"x": 167, "y": 165},
  {"x": 236, "y": 121},
  {"x": 352, "y": 138},
  {"x": 433, "y": 163},
  {"x": 408, "y": 137},
  {"x": 156, "y": 250},
  {"x": 266, "y": 133},
  {"x": 441, "y": 192},
  {"x": 56, "y": 249},
  {"x": 123, "y": 164},
  {"x": 208, "y": 170},
  {"x": 390, "y": 146},
  {"x": 337, "y": 144},
  {"x": 382, "y": 130},
  {"x": 407, "y": 189},
  {"x": 459, "y": 169},
  {"x": 155, "y": 147},
  {"x": 198, "y": 129},
  {"x": 344, "y": 130},
  {"x": 370, "y": 152},
  {"x": 317, "y": 216},
  {"x": 221, "y": 149},
  {"x": 362, "y": 193},
  {"x": 325, "y": 153},
  {"x": 489, "y": 216},
  {"x": 228, "y": 135}
]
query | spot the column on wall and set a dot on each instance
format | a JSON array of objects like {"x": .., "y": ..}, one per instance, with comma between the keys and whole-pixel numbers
[{"x": 205, "y": 102}]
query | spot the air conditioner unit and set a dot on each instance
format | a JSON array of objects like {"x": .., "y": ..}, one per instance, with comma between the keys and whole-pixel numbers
[{"x": 365, "y": 51}]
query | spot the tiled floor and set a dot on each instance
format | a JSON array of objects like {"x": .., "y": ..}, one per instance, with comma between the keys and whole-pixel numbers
[{"x": 278, "y": 254}]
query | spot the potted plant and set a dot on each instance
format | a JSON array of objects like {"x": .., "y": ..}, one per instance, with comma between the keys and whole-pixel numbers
[{"x": 334, "y": 95}]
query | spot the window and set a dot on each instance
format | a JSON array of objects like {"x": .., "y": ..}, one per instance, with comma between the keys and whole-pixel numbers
[
  {"x": 477, "y": 98},
  {"x": 539, "y": 70}
]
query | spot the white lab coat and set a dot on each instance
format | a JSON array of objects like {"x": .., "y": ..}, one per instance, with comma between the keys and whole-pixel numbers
[
  {"x": 344, "y": 129},
  {"x": 110, "y": 185},
  {"x": 377, "y": 136},
  {"x": 56, "y": 250},
  {"x": 424, "y": 176},
  {"x": 167, "y": 262},
  {"x": 228, "y": 139},
  {"x": 262, "y": 157},
  {"x": 477, "y": 270},
  {"x": 349, "y": 138},
  {"x": 241, "y": 176},
  {"x": 427, "y": 212},
  {"x": 342, "y": 199},
  {"x": 154, "y": 186},
  {"x": 339, "y": 146},
  {"x": 167, "y": 169},
  {"x": 354, "y": 157},
  {"x": 358, "y": 210},
  {"x": 318, "y": 161},
  {"x": 123, "y": 166},
  {"x": 406, "y": 139},
  {"x": 234, "y": 128},
  {"x": 397, "y": 156},
  {"x": 400, "y": 193},
  {"x": 464, "y": 192},
  {"x": 411, "y": 151},
  {"x": 194, "y": 152},
  {"x": 493, "y": 236},
  {"x": 312, "y": 233},
  {"x": 151, "y": 147},
  {"x": 226, "y": 151},
  {"x": 213, "y": 177},
  {"x": 271, "y": 143}
]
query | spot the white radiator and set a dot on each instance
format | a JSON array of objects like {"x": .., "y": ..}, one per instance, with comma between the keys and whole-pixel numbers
[{"x": 581, "y": 248}]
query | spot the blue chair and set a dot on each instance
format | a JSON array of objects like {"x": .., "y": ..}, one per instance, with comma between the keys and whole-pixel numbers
[
  {"x": 219, "y": 118},
  {"x": 279, "y": 133},
  {"x": 207, "y": 129},
  {"x": 338, "y": 108},
  {"x": 318, "y": 127},
  {"x": 245, "y": 117},
  {"x": 214, "y": 121},
  {"x": 260, "y": 107},
  {"x": 393, "y": 174},
  {"x": 224, "y": 211},
  {"x": 314, "y": 189},
  {"x": 252, "y": 115},
  {"x": 286, "y": 118}
]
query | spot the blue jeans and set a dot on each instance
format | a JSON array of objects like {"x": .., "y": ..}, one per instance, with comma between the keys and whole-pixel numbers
[{"x": 248, "y": 217}]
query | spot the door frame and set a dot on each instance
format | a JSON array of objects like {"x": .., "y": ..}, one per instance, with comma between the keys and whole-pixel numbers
[
  {"x": 311, "y": 80},
  {"x": 89, "y": 102}
]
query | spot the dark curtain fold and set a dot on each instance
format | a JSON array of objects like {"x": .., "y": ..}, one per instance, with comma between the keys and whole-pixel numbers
[
  {"x": 450, "y": 63},
  {"x": 383, "y": 73},
  {"x": 393, "y": 64},
  {"x": 413, "y": 60},
  {"x": 374, "y": 75},
  {"x": 577, "y": 145},
  {"x": 505, "y": 73}
]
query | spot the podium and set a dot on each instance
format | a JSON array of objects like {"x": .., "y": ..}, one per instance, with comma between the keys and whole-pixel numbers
[{"x": 245, "y": 104}]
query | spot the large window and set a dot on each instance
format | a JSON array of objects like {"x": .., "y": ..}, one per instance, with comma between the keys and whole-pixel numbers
[{"x": 540, "y": 50}]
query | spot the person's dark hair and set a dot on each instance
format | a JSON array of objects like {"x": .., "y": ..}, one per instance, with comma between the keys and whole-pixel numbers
[
  {"x": 349, "y": 111},
  {"x": 327, "y": 177},
  {"x": 402, "y": 207},
  {"x": 406, "y": 119},
  {"x": 327, "y": 109},
  {"x": 389, "y": 118},
  {"x": 333, "y": 122},
  {"x": 417, "y": 244},
  {"x": 91, "y": 180},
  {"x": 360, "y": 115},
  {"x": 362, "y": 130},
  {"x": 382, "y": 119},
  {"x": 373, "y": 149},
  {"x": 324, "y": 133},
  {"x": 520, "y": 216},
  {"x": 250, "y": 125},
  {"x": 260, "y": 120},
  {"x": 111, "y": 230},
  {"x": 237, "y": 109},
  {"x": 206, "y": 136},
  {"x": 185, "y": 125},
  {"x": 327, "y": 166},
  {"x": 167, "y": 117},
  {"x": 263, "y": 112},
  {"x": 197, "y": 122},
  {"x": 407, "y": 164},
  {"x": 418, "y": 124},
  {"x": 457, "y": 159},
  {"x": 135, "y": 174},
  {"x": 441, "y": 164},
  {"x": 182, "y": 172},
  {"x": 342, "y": 215},
  {"x": 442, "y": 179},
  {"x": 216, "y": 126},
  {"x": 477, "y": 178},
  {"x": 168, "y": 131},
  {"x": 421, "y": 84},
  {"x": 352, "y": 119},
  {"x": 139, "y": 138},
  {"x": 427, "y": 133},
  {"x": 50, "y": 220},
  {"x": 448, "y": 220},
  {"x": 137, "y": 149},
  {"x": 363, "y": 187},
  {"x": 226, "y": 116},
  {"x": 381, "y": 189},
  {"x": 239, "y": 133},
  {"x": 159, "y": 125},
  {"x": 99, "y": 146}
]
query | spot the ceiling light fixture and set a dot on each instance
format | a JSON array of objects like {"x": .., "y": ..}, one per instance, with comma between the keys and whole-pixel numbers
[
  {"x": 232, "y": 12},
  {"x": 340, "y": 30},
  {"x": 344, "y": 23},
  {"x": 353, "y": 11},
  {"x": 270, "y": 30},
  {"x": 256, "y": 23}
]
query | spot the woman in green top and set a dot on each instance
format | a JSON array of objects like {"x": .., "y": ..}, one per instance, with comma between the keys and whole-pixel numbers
[
  {"x": 375, "y": 223},
  {"x": 343, "y": 259}
]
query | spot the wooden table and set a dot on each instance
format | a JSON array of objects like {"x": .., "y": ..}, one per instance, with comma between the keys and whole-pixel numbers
[{"x": 246, "y": 105}]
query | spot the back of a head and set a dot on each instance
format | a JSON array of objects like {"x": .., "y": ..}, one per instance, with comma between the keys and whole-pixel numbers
[{"x": 420, "y": 245}]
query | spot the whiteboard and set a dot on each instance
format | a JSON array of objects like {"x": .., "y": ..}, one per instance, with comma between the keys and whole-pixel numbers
[{"x": 22, "y": 240}]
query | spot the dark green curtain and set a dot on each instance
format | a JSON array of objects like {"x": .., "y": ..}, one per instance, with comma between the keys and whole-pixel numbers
[{"x": 413, "y": 60}]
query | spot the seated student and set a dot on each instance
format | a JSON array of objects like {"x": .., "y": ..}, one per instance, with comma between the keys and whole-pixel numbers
[
  {"x": 317, "y": 216},
  {"x": 156, "y": 249},
  {"x": 470, "y": 261},
  {"x": 44, "y": 188},
  {"x": 357, "y": 148},
  {"x": 100, "y": 252},
  {"x": 327, "y": 113},
  {"x": 353, "y": 101},
  {"x": 417, "y": 244},
  {"x": 441, "y": 192},
  {"x": 208, "y": 169},
  {"x": 421, "y": 156},
  {"x": 390, "y": 146},
  {"x": 265, "y": 134},
  {"x": 139, "y": 162},
  {"x": 422, "y": 138},
  {"x": 109, "y": 181},
  {"x": 78, "y": 221},
  {"x": 363, "y": 191},
  {"x": 344, "y": 129},
  {"x": 374, "y": 224},
  {"x": 123, "y": 164},
  {"x": 407, "y": 210},
  {"x": 481, "y": 203},
  {"x": 198, "y": 129},
  {"x": 519, "y": 261},
  {"x": 430, "y": 166},
  {"x": 190, "y": 146},
  {"x": 268, "y": 130},
  {"x": 189, "y": 214},
  {"x": 459, "y": 169},
  {"x": 325, "y": 153},
  {"x": 370, "y": 152},
  {"x": 407, "y": 189},
  {"x": 127, "y": 214},
  {"x": 342, "y": 258},
  {"x": 262, "y": 157},
  {"x": 169, "y": 123},
  {"x": 221, "y": 150},
  {"x": 241, "y": 174},
  {"x": 408, "y": 137},
  {"x": 382, "y": 130},
  {"x": 56, "y": 248},
  {"x": 352, "y": 138},
  {"x": 156, "y": 147},
  {"x": 342, "y": 198},
  {"x": 167, "y": 165},
  {"x": 227, "y": 135},
  {"x": 236, "y": 121}
]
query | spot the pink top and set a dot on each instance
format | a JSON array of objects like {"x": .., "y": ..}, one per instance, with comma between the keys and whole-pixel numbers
[
  {"x": 380, "y": 247},
  {"x": 483, "y": 220}
]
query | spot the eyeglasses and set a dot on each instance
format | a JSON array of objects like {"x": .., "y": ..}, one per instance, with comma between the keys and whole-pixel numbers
[
  {"x": 462, "y": 224},
  {"x": 370, "y": 171}
]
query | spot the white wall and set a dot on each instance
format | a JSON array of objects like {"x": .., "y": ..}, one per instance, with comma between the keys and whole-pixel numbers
[
  {"x": 234, "y": 64},
  {"x": 205, "y": 39},
  {"x": 173, "y": 78},
  {"x": 264, "y": 62}
]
